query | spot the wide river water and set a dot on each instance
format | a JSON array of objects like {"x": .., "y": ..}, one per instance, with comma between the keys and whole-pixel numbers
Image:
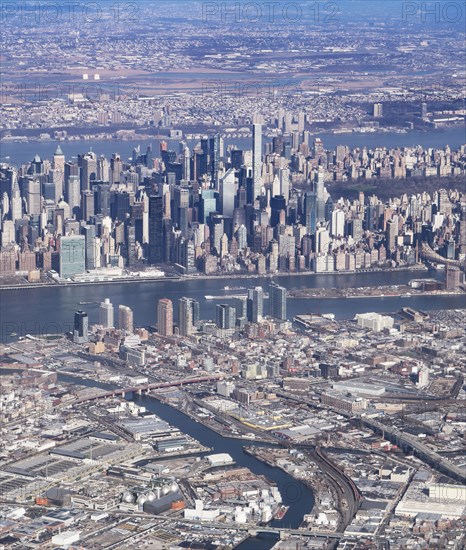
[
  {"x": 19, "y": 153},
  {"x": 50, "y": 310}
]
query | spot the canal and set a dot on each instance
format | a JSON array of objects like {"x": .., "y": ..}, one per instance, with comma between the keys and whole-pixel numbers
[{"x": 296, "y": 495}]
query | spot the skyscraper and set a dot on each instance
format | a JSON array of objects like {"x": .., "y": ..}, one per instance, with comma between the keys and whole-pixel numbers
[
  {"x": 72, "y": 194},
  {"x": 278, "y": 210},
  {"x": 125, "y": 318},
  {"x": 256, "y": 158},
  {"x": 155, "y": 229},
  {"x": 72, "y": 256},
  {"x": 106, "y": 313},
  {"x": 377, "y": 110},
  {"x": 81, "y": 328},
  {"x": 310, "y": 211},
  {"x": 423, "y": 110},
  {"x": 215, "y": 146},
  {"x": 284, "y": 174},
  {"x": 33, "y": 196},
  {"x": 453, "y": 278},
  {"x": 462, "y": 232},
  {"x": 208, "y": 204},
  {"x": 88, "y": 164},
  {"x": 59, "y": 167},
  {"x": 338, "y": 223},
  {"x": 227, "y": 193},
  {"x": 16, "y": 207},
  {"x": 277, "y": 302},
  {"x": 225, "y": 317},
  {"x": 186, "y": 163},
  {"x": 185, "y": 316},
  {"x": 165, "y": 317},
  {"x": 241, "y": 306},
  {"x": 255, "y": 304},
  {"x": 318, "y": 148},
  {"x": 320, "y": 192},
  {"x": 392, "y": 232},
  {"x": 196, "y": 312}
]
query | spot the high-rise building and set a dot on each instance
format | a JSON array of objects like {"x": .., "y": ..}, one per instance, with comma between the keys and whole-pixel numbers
[
  {"x": 284, "y": 177},
  {"x": 81, "y": 328},
  {"x": 301, "y": 121},
  {"x": 443, "y": 202},
  {"x": 88, "y": 164},
  {"x": 125, "y": 319},
  {"x": 215, "y": 152},
  {"x": 33, "y": 196},
  {"x": 228, "y": 193},
  {"x": 255, "y": 304},
  {"x": 59, "y": 167},
  {"x": 106, "y": 313},
  {"x": 423, "y": 110},
  {"x": 186, "y": 163},
  {"x": 288, "y": 123},
  {"x": 165, "y": 317},
  {"x": 392, "y": 232},
  {"x": 320, "y": 192},
  {"x": 462, "y": 233},
  {"x": 87, "y": 205},
  {"x": 208, "y": 204},
  {"x": 116, "y": 167},
  {"x": 256, "y": 158},
  {"x": 196, "y": 312},
  {"x": 92, "y": 247},
  {"x": 225, "y": 317},
  {"x": 241, "y": 306},
  {"x": 278, "y": 210},
  {"x": 318, "y": 148},
  {"x": 73, "y": 194},
  {"x": 310, "y": 212},
  {"x": 377, "y": 110},
  {"x": 277, "y": 302},
  {"x": 186, "y": 316},
  {"x": 155, "y": 229},
  {"x": 453, "y": 278},
  {"x": 338, "y": 223},
  {"x": 16, "y": 207},
  {"x": 72, "y": 256}
]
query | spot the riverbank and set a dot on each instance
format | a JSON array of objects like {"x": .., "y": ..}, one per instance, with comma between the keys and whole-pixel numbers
[
  {"x": 51, "y": 311},
  {"x": 201, "y": 277}
]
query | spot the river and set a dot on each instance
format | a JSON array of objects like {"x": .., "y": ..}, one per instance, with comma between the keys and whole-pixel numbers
[
  {"x": 296, "y": 495},
  {"x": 19, "y": 153},
  {"x": 50, "y": 310}
]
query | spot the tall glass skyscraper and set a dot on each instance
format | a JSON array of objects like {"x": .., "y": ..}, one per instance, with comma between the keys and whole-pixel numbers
[
  {"x": 277, "y": 302},
  {"x": 155, "y": 229},
  {"x": 256, "y": 158},
  {"x": 72, "y": 256},
  {"x": 225, "y": 317},
  {"x": 188, "y": 315},
  {"x": 255, "y": 304},
  {"x": 81, "y": 328}
]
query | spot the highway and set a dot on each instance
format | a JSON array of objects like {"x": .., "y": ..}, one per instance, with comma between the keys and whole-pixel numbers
[
  {"x": 425, "y": 453},
  {"x": 144, "y": 388}
]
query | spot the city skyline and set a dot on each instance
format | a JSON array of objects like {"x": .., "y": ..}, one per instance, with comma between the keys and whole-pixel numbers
[{"x": 232, "y": 275}]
